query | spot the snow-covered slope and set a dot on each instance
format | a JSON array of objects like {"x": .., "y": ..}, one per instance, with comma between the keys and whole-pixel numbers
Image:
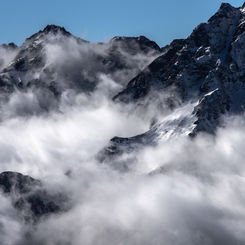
[
  {"x": 206, "y": 69},
  {"x": 194, "y": 81},
  {"x": 155, "y": 115}
]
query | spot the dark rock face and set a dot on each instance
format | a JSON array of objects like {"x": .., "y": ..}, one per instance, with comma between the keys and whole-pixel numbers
[
  {"x": 53, "y": 60},
  {"x": 56, "y": 29},
  {"x": 187, "y": 63},
  {"x": 206, "y": 68},
  {"x": 32, "y": 53},
  {"x": 153, "y": 76},
  {"x": 209, "y": 59},
  {"x": 50, "y": 29},
  {"x": 16, "y": 182},
  {"x": 10, "y": 46},
  {"x": 133, "y": 45},
  {"x": 29, "y": 196},
  {"x": 119, "y": 145},
  {"x": 209, "y": 109}
]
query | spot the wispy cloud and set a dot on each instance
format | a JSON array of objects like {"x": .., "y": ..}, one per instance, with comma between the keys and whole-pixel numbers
[{"x": 183, "y": 191}]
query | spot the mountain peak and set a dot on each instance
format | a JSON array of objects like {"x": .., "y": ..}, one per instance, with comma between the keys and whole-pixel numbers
[
  {"x": 55, "y": 29},
  {"x": 10, "y": 46},
  {"x": 50, "y": 29},
  {"x": 224, "y": 11},
  {"x": 210, "y": 59},
  {"x": 225, "y": 6},
  {"x": 144, "y": 43}
]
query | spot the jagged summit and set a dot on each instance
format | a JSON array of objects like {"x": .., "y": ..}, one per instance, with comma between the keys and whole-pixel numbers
[
  {"x": 225, "y": 6},
  {"x": 208, "y": 43},
  {"x": 140, "y": 39},
  {"x": 223, "y": 12},
  {"x": 9, "y": 46},
  {"x": 206, "y": 69},
  {"x": 55, "y": 29},
  {"x": 29, "y": 196},
  {"x": 53, "y": 60},
  {"x": 134, "y": 44},
  {"x": 57, "y": 117}
]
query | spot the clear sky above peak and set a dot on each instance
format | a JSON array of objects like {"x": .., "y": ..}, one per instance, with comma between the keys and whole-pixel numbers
[{"x": 100, "y": 20}]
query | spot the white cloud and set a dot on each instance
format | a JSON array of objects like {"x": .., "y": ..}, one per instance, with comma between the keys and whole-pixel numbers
[{"x": 184, "y": 191}]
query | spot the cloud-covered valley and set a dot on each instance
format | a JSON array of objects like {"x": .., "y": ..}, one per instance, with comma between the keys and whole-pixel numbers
[
  {"x": 57, "y": 116},
  {"x": 184, "y": 191}
]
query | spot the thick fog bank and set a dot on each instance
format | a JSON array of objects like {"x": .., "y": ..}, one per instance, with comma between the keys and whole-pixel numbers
[
  {"x": 180, "y": 191},
  {"x": 184, "y": 191}
]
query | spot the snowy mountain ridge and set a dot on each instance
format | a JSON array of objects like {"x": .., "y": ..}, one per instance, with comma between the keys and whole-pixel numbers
[
  {"x": 126, "y": 142},
  {"x": 53, "y": 60},
  {"x": 207, "y": 68},
  {"x": 192, "y": 82}
]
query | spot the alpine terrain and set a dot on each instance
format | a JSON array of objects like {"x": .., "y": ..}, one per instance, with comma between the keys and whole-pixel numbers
[{"x": 124, "y": 142}]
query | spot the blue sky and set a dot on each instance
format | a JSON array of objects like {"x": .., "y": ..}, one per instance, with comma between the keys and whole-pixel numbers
[{"x": 100, "y": 20}]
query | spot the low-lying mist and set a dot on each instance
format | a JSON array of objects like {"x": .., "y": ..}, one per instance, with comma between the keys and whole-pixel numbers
[{"x": 182, "y": 191}]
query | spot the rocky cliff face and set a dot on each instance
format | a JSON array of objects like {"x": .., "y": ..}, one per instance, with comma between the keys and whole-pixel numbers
[
  {"x": 53, "y": 60},
  {"x": 29, "y": 196},
  {"x": 179, "y": 175},
  {"x": 207, "y": 68},
  {"x": 49, "y": 64},
  {"x": 198, "y": 79}
]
